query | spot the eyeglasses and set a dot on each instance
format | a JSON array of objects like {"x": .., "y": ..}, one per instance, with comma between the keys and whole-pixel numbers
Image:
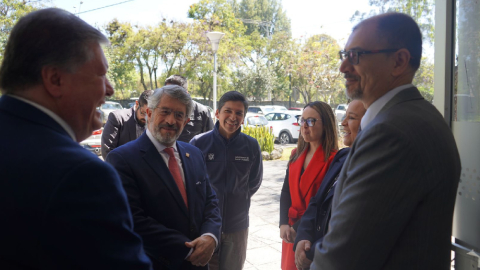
[
  {"x": 142, "y": 113},
  {"x": 179, "y": 116},
  {"x": 354, "y": 56},
  {"x": 310, "y": 121}
]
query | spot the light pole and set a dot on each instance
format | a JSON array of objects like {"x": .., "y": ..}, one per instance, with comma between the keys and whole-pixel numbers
[{"x": 215, "y": 38}]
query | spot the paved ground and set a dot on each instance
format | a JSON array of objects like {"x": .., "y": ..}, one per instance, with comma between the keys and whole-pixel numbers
[{"x": 264, "y": 243}]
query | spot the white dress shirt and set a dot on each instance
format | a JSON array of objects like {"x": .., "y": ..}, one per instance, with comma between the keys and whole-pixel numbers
[{"x": 378, "y": 104}]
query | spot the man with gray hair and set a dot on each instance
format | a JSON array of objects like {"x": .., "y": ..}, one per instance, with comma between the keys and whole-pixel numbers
[
  {"x": 62, "y": 207},
  {"x": 175, "y": 210}
]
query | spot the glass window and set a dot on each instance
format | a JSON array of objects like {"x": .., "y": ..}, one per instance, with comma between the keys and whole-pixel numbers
[{"x": 466, "y": 89}]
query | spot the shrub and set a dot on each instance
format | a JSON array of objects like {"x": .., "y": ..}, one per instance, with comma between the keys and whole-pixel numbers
[{"x": 263, "y": 135}]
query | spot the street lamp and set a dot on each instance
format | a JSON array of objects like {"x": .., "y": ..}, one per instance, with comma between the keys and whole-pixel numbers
[{"x": 215, "y": 38}]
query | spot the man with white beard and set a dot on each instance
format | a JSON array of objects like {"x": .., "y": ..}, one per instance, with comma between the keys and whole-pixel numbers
[{"x": 174, "y": 208}]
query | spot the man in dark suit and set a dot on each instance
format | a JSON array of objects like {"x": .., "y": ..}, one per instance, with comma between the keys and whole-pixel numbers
[
  {"x": 125, "y": 125},
  {"x": 394, "y": 199},
  {"x": 175, "y": 210},
  {"x": 62, "y": 208},
  {"x": 200, "y": 118}
]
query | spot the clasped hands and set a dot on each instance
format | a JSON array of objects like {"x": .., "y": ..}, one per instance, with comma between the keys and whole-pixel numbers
[
  {"x": 301, "y": 260},
  {"x": 203, "y": 248}
]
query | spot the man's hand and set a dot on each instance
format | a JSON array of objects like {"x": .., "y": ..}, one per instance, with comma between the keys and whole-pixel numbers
[
  {"x": 287, "y": 233},
  {"x": 301, "y": 260},
  {"x": 203, "y": 248}
]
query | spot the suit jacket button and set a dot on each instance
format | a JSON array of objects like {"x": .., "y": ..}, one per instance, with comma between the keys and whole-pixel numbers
[{"x": 318, "y": 228}]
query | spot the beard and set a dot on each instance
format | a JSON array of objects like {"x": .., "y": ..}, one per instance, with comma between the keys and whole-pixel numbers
[
  {"x": 357, "y": 93},
  {"x": 166, "y": 139},
  {"x": 140, "y": 121}
]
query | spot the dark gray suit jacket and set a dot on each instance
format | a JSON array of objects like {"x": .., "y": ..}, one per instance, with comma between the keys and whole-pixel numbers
[
  {"x": 119, "y": 129},
  {"x": 394, "y": 200}
]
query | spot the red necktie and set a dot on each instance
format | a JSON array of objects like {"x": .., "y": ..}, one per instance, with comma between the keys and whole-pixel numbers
[{"x": 175, "y": 171}]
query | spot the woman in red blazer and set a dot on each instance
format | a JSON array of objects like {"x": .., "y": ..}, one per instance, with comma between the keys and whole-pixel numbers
[{"x": 316, "y": 148}]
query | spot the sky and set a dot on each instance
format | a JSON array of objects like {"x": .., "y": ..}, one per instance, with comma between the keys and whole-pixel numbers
[{"x": 307, "y": 17}]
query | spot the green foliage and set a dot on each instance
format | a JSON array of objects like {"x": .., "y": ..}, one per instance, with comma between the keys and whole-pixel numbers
[
  {"x": 422, "y": 11},
  {"x": 315, "y": 70},
  {"x": 10, "y": 12},
  {"x": 424, "y": 79},
  {"x": 263, "y": 135},
  {"x": 264, "y": 16}
]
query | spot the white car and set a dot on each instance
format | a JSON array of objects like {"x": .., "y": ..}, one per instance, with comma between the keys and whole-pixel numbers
[
  {"x": 284, "y": 125},
  {"x": 340, "y": 111},
  {"x": 109, "y": 107},
  {"x": 255, "y": 119},
  {"x": 266, "y": 109},
  {"x": 94, "y": 142}
]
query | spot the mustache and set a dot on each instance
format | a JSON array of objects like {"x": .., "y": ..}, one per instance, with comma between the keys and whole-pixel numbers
[
  {"x": 351, "y": 76},
  {"x": 167, "y": 126}
]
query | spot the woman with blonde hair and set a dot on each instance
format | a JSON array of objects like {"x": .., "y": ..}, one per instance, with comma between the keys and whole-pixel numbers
[{"x": 316, "y": 148}]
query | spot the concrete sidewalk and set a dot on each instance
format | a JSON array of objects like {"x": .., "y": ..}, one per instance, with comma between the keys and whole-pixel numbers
[{"x": 264, "y": 244}]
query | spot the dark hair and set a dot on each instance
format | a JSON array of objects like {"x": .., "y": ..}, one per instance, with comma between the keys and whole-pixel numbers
[
  {"x": 47, "y": 37},
  {"x": 177, "y": 80},
  {"x": 329, "y": 135},
  {"x": 400, "y": 31},
  {"x": 232, "y": 96},
  {"x": 143, "y": 99}
]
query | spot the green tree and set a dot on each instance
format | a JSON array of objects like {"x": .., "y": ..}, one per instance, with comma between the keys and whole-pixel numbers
[
  {"x": 265, "y": 16},
  {"x": 10, "y": 12},
  {"x": 315, "y": 70},
  {"x": 422, "y": 11},
  {"x": 424, "y": 79}
]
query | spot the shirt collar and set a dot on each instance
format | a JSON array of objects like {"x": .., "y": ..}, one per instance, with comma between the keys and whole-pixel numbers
[
  {"x": 159, "y": 146},
  {"x": 378, "y": 104},
  {"x": 48, "y": 112}
]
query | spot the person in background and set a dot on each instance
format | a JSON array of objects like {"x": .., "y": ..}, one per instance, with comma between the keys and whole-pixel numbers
[
  {"x": 234, "y": 164},
  {"x": 175, "y": 210},
  {"x": 200, "y": 118},
  {"x": 314, "y": 223},
  {"x": 125, "y": 125},
  {"x": 394, "y": 198},
  {"x": 309, "y": 162},
  {"x": 62, "y": 207}
]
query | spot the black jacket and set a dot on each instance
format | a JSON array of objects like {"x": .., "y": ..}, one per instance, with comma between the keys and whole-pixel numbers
[
  {"x": 200, "y": 122},
  {"x": 235, "y": 170},
  {"x": 314, "y": 223}
]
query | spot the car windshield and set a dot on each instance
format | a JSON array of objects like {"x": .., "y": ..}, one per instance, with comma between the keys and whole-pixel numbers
[
  {"x": 257, "y": 121},
  {"x": 110, "y": 106}
]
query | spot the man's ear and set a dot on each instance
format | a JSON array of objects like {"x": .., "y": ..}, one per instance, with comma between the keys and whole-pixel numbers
[
  {"x": 186, "y": 121},
  {"x": 51, "y": 77},
  {"x": 402, "y": 62}
]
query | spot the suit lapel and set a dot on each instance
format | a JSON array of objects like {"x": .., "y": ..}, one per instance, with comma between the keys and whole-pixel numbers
[
  {"x": 157, "y": 164},
  {"x": 189, "y": 186}
]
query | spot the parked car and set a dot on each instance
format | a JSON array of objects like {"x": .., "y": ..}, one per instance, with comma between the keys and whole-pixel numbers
[
  {"x": 109, "y": 107},
  {"x": 255, "y": 119},
  {"x": 94, "y": 142},
  {"x": 266, "y": 109},
  {"x": 340, "y": 111},
  {"x": 284, "y": 125},
  {"x": 295, "y": 109},
  {"x": 130, "y": 105}
]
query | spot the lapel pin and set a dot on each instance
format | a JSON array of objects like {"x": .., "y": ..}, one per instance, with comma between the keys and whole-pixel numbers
[{"x": 187, "y": 154}]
